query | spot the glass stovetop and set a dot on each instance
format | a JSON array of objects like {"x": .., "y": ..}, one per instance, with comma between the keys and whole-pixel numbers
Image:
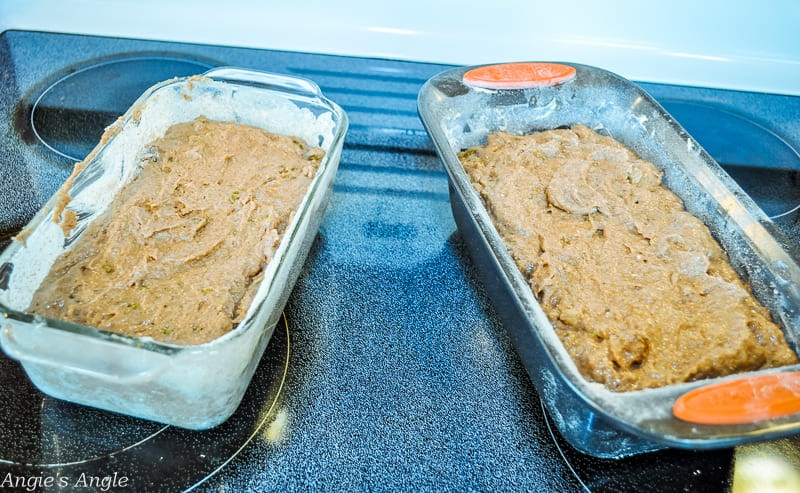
[{"x": 391, "y": 370}]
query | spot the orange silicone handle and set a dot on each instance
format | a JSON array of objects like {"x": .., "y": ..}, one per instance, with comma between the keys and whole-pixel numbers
[
  {"x": 521, "y": 75},
  {"x": 741, "y": 401}
]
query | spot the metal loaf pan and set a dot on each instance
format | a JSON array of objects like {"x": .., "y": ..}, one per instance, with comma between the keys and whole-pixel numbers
[
  {"x": 595, "y": 420},
  {"x": 193, "y": 386}
]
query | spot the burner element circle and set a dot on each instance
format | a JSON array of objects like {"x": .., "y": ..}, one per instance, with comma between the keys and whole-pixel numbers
[
  {"x": 41, "y": 436},
  {"x": 70, "y": 115},
  {"x": 765, "y": 165},
  {"x": 37, "y": 430}
]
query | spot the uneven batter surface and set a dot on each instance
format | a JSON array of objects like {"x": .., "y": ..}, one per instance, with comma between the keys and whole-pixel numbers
[
  {"x": 638, "y": 290},
  {"x": 179, "y": 254}
]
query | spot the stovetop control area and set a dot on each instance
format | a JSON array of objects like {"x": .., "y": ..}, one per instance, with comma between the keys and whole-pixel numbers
[{"x": 390, "y": 370}]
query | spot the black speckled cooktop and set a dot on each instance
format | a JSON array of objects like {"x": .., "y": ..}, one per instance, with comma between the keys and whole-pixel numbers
[{"x": 391, "y": 371}]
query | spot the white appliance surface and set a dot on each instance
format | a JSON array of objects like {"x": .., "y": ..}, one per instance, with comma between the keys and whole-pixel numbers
[{"x": 747, "y": 45}]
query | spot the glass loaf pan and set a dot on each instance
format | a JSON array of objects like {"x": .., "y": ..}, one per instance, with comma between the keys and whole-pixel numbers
[
  {"x": 597, "y": 421},
  {"x": 199, "y": 386}
]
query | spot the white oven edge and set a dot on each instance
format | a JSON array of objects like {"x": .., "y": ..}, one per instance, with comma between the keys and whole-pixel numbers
[{"x": 748, "y": 45}]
